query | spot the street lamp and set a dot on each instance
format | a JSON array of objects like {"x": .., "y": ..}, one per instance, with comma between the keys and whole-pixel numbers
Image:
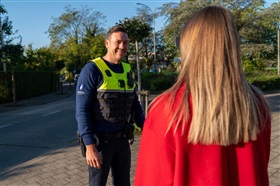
[{"x": 155, "y": 57}]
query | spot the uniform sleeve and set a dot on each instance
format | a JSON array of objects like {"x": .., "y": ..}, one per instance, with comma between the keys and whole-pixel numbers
[
  {"x": 88, "y": 80},
  {"x": 137, "y": 112}
]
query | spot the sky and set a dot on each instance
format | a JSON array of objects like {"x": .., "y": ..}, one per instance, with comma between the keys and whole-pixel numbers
[{"x": 32, "y": 18}]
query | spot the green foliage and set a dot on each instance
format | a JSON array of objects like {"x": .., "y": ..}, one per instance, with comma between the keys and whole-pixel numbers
[
  {"x": 257, "y": 26},
  {"x": 170, "y": 49},
  {"x": 254, "y": 64},
  {"x": 76, "y": 36},
  {"x": 74, "y": 24},
  {"x": 255, "y": 56},
  {"x": 5, "y": 94},
  {"x": 2, "y": 10},
  {"x": 59, "y": 64},
  {"x": 170, "y": 68},
  {"x": 266, "y": 83},
  {"x": 93, "y": 47},
  {"x": 7, "y": 29},
  {"x": 266, "y": 80},
  {"x": 13, "y": 54},
  {"x": 39, "y": 59},
  {"x": 158, "y": 82},
  {"x": 42, "y": 82},
  {"x": 29, "y": 84},
  {"x": 137, "y": 30}
]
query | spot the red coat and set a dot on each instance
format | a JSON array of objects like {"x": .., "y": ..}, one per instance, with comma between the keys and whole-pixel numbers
[{"x": 170, "y": 160}]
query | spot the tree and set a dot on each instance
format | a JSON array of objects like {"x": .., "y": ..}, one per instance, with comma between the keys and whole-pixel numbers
[
  {"x": 71, "y": 33},
  {"x": 252, "y": 22},
  {"x": 153, "y": 54},
  {"x": 168, "y": 49},
  {"x": 270, "y": 25},
  {"x": 7, "y": 35},
  {"x": 176, "y": 15},
  {"x": 137, "y": 31},
  {"x": 13, "y": 54},
  {"x": 39, "y": 59},
  {"x": 146, "y": 15}
]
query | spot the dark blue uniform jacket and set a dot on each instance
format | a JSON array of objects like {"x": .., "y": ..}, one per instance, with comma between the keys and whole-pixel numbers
[{"x": 89, "y": 80}]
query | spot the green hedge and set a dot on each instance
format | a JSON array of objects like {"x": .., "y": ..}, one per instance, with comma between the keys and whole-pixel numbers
[
  {"x": 28, "y": 84},
  {"x": 266, "y": 82},
  {"x": 159, "y": 82}
]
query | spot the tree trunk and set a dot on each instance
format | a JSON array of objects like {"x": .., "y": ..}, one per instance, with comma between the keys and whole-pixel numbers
[
  {"x": 138, "y": 66},
  {"x": 278, "y": 51},
  {"x": 13, "y": 83}
]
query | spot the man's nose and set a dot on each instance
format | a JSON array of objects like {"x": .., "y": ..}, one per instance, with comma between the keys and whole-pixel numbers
[{"x": 122, "y": 45}]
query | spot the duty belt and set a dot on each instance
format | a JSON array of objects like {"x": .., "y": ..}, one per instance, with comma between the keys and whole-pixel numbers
[{"x": 110, "y": 136}]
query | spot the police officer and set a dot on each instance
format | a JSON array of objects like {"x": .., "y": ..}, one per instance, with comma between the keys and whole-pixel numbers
[{"x": 105, "y": 99}]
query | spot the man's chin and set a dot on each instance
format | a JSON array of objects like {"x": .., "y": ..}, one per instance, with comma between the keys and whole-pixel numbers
[{"x": 121, "y": 57}]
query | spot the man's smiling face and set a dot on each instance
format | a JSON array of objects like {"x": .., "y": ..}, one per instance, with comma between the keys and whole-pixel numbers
[{"x": 117, "y": 45}]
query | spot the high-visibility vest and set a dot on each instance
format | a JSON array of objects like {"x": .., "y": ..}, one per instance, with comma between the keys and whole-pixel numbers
[{"x": 114, "y": 97}]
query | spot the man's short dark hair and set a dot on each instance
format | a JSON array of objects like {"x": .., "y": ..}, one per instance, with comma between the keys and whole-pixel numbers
[{"x": 117, "y": 28}]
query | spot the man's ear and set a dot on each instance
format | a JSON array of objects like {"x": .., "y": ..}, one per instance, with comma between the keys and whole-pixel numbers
[{"x": 106, "y": 42}]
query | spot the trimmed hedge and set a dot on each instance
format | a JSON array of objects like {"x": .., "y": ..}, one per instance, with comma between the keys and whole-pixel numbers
[
  {"x": 28, "y": 84},
  {"x": 159, "y": 82},
  {"x": 266, "y": 83}
]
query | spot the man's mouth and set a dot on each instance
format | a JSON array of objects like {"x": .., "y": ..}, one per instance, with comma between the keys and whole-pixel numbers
[{"x": 121, "y": 52}]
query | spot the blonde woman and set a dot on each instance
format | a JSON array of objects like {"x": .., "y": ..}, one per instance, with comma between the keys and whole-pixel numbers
[{"x": 211, "y": 127}]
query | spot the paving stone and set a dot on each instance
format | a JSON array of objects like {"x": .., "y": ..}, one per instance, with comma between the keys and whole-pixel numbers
[
  {"x": 274, "y": 181},
  {"x": 66, "y": 166},
  {"x": 45, "y": 181},
  {"x": 60, "y": 183}
]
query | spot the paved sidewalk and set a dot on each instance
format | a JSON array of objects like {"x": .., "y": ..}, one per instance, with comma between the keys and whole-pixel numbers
[{"x": 66, "y": 166}]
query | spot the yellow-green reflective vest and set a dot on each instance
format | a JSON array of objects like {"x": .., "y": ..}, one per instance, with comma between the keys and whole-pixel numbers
[{"x": 115, "y": 95}]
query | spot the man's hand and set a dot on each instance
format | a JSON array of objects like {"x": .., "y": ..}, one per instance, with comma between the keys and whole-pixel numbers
[{"x": 93, "y": 157}]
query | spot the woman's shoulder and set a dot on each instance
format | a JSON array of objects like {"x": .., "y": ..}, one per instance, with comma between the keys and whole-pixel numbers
[{"x": 159, "y": 102}]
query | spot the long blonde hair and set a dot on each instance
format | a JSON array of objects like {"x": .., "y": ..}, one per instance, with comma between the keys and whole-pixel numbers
[{"x": 226, "y": 108}]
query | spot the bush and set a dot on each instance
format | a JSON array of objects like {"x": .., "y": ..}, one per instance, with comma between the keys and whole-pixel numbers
[
  {"x": 266, "y": 83},
  {"x": 267, "y": 80},
  {"x": 5, "y": 95},
  {"x": 158, "y": 82},
  {"x": 28, "y": 84}
]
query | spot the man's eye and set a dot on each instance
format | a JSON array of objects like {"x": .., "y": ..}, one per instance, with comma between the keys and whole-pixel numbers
[{"x": 120, "y": 42}]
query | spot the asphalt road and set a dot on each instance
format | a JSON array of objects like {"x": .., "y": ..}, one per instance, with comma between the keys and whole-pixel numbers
[
  {"x": 274, "y": 101},
  {"x": 29, "y": 132}
]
